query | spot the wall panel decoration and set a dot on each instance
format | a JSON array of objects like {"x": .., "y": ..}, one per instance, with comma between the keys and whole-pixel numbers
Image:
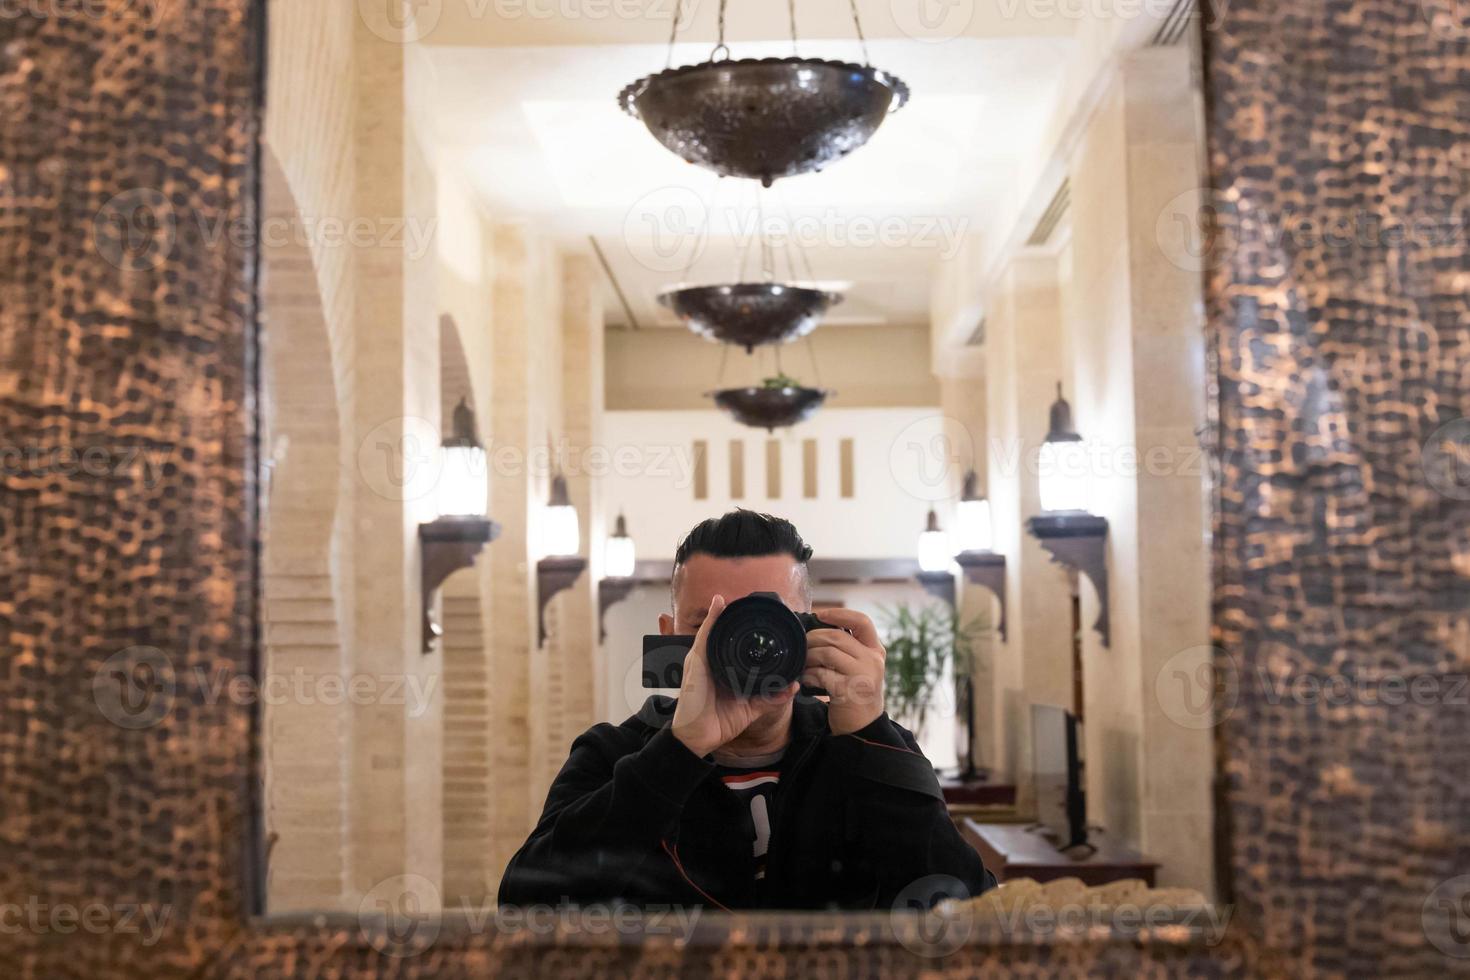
[{"x": 128, "y": 350}]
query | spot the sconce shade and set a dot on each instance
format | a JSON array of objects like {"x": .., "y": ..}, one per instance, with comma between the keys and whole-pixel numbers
[
  {"x": 620, "y": 558},
  {"x": 464, "y": 476},
  {"x": 563, "y": 534},
  {"x": 972, "y": 525},
  {"x": 1063, "y": 474},
  {"x": 934, "y": 550}
]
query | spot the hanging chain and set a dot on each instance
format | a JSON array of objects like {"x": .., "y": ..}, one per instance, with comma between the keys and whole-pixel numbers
[
  {"x": 744, "y": 249},
  {"x": 791, "y": 8},
  {"x": 790, "y": 235},
  {"x": 673, "y": 33},
  {"x": 811, "y": 350},
  {"x": 724, "y": 357},
  {"x": 720, "y": 37},
  {"x": 768, "y": 267},
  {"x": 703, "y": 238},
  {"x": 857, "y": 23}
]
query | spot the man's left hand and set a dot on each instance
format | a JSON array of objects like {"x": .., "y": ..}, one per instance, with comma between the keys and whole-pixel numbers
[{"x": 849, "y": 663}]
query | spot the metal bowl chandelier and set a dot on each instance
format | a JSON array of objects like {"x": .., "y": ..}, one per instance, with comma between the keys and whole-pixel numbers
[
  {"x": 764, "y": 118},
  {"x": 770, "y": 407},
  {"x": 750, "y": 313}
]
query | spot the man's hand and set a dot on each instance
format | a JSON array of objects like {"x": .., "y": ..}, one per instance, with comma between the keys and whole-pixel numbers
[
  {"x": 848, "y": 662},
  {"x": 707, "y": 717}
]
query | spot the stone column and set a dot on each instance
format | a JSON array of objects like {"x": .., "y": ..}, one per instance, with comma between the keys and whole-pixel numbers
[
  {"x": 575, "y": 662},
  {"x": 396, "y": 775},
  {"x": 1137, "y": 334},
  {"x": 511, "y": 619},
  {"x": 964, "y": 398},
  {"x": 1034, "y": 665}
]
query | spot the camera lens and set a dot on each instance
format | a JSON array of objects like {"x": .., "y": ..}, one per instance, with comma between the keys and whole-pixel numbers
[{"x": 758, "y": 648}]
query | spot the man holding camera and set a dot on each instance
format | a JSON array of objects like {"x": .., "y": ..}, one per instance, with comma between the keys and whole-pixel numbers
[{"x": 745, "y": 792}]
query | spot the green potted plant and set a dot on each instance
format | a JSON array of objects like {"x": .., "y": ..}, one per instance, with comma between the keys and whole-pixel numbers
[{"x": 922, "y": 642}]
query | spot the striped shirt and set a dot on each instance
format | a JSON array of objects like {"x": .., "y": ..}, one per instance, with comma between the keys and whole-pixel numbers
[{"x": 755, "y": 783}]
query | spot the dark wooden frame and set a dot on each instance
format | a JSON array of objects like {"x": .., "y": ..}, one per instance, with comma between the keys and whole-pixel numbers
[{"x": 1332, "y": 366}]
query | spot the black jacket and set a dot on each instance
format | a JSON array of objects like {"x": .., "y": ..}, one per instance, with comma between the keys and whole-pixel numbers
[{"x": 635, "y": 816}]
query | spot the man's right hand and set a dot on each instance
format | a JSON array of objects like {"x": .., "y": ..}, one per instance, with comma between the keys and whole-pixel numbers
[{"x": 707, "y": 717}]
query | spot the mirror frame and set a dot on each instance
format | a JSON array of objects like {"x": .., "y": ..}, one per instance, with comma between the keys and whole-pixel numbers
[{"x": 1335, "y": 824}]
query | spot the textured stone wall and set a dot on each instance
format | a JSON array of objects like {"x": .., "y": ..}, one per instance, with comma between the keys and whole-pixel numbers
[{"x": 1339, "y": 305}]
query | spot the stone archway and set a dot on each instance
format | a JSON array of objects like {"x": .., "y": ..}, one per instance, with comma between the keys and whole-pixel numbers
[
  {"x": 467, "y": 681},
  {"x": 305, "y": 734}
]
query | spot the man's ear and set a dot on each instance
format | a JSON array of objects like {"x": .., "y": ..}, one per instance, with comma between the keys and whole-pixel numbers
[{"x": 665, "y": 624}]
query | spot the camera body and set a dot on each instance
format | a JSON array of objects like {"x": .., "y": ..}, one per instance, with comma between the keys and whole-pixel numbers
[{"x": 757, "y": 646}]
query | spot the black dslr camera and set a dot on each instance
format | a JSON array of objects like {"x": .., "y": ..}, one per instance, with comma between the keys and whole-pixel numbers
[{"x": 757, "y": 646}]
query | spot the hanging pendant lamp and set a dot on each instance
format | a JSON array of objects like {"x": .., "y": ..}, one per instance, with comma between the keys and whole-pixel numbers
[
  {"x": 764, "y": 118},
  {"x": 778, "y": 403},
  {"x": 750, "y": 313}
]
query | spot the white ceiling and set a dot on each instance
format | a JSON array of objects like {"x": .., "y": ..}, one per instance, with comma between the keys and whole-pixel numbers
[{"x": 539, "y": 135}]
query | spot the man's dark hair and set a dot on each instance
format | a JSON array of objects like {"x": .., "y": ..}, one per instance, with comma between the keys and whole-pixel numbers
[{"x": 743, "y": 534}]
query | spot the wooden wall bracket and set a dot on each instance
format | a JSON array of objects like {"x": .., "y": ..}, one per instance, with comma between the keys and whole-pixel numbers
[
  {"x": 610, "y": 592},
  {"x": 553, "y": 575},
  {"x": 447, "y": 545},
  {"x": 941, "y": 585},
  {"x": 987, "y": 570},
  {"x": 1078, "y": 540}
]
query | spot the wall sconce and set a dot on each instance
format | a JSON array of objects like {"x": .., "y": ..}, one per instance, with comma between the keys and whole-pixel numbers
[
  {"x": 620, "y": 559},
  {"x": 982, "y": 566},
  {"x": 972, "y": 525},
  {"x": 561, "y": 541},
  {"x": 934, "y": 552},
  {"x": 935, "y": 560},
  {"x": 619, "y": 565},
  {"x": 1062, "y": 472},
  {"x": 563, "y": 533},
  {"x": 1071, "y": 535},
  {"x": 462, "y": 529}
]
